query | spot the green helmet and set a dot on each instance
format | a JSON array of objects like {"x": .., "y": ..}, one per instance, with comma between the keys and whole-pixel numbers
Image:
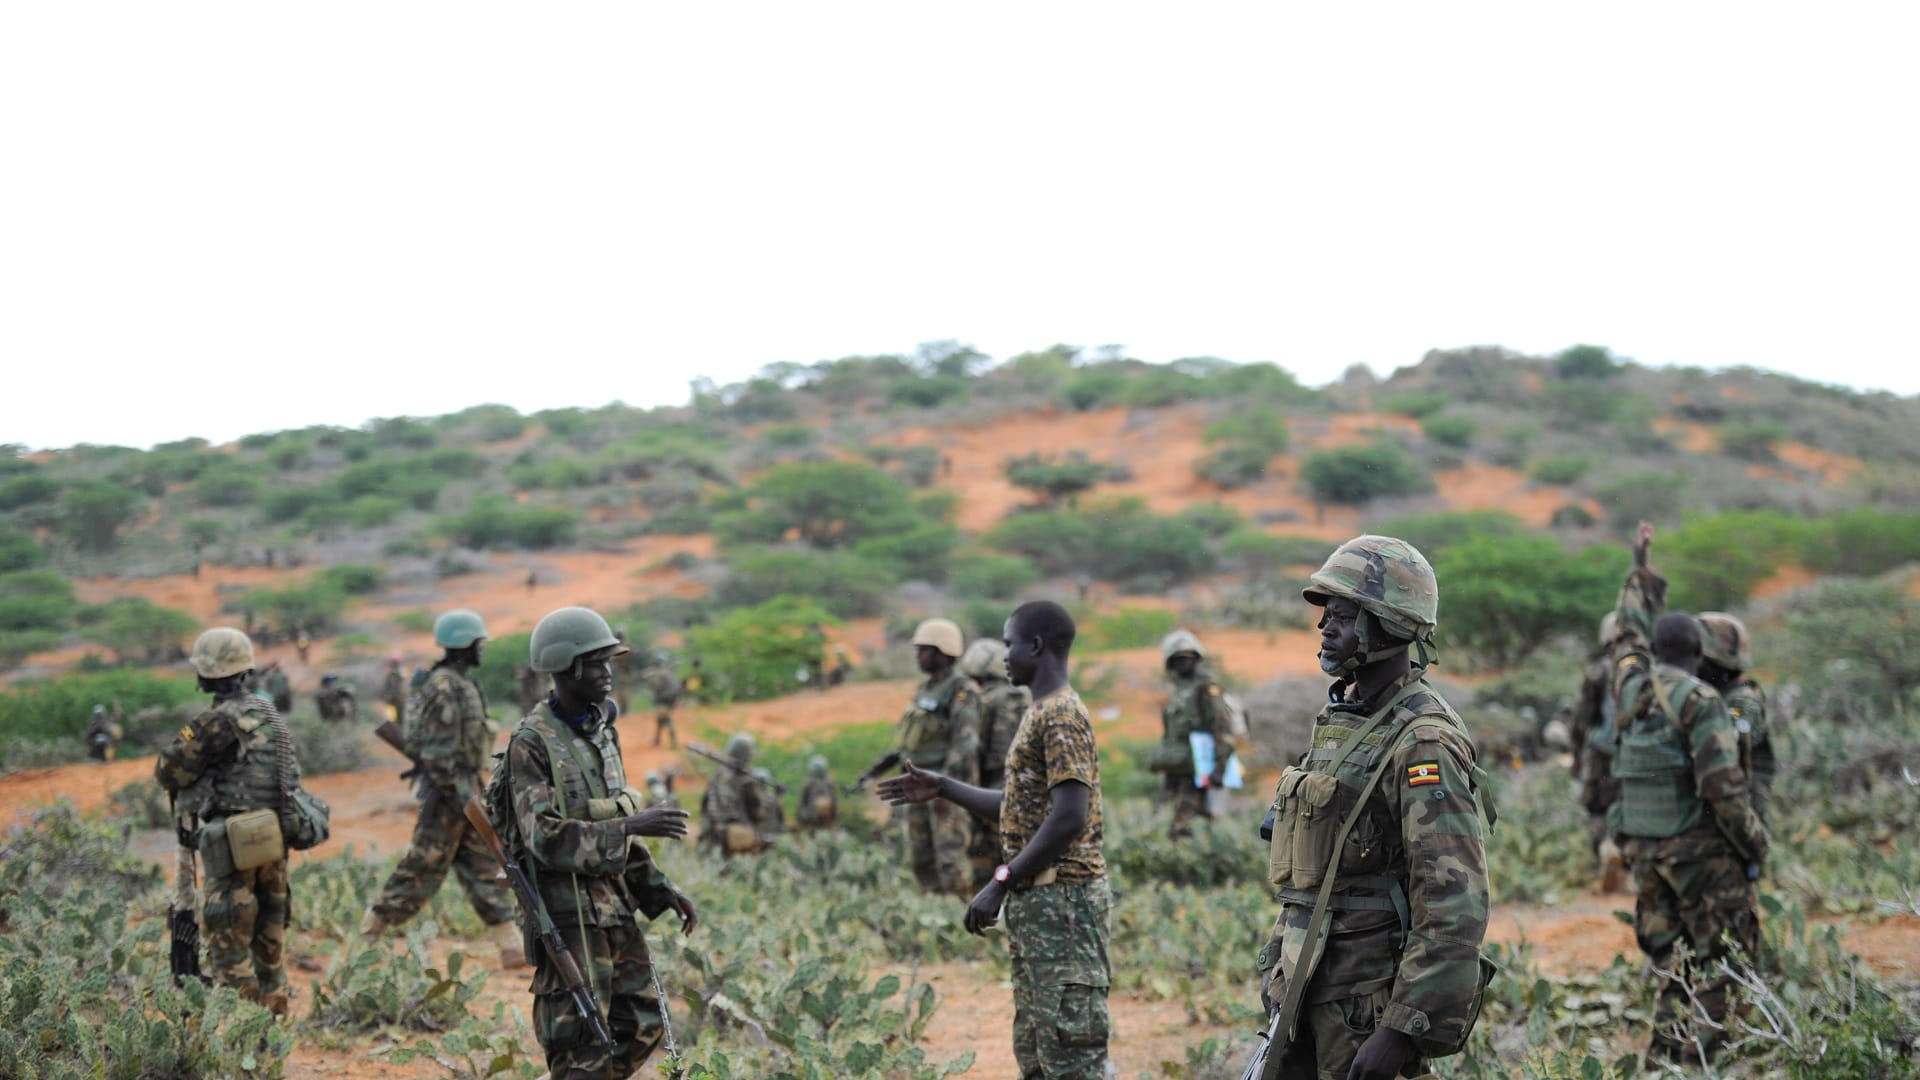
[
  {"x": 985, "y": 660},
  {"x": 457, "y": 629},
  {"x": 740, "y": 747},
  {"x": 565, "y": 635},
  {"x": 220, "y": 652},
  {"x": 1392, "y": 582},
  {"x": 817, "y": 765},
  {"x": 1181, "y": 641},
  {"x": 1724, "y": 640}
]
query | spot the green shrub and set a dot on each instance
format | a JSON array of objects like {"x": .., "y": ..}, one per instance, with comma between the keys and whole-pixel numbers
[
  {"x": 1713, "y": 562},
  {"x": 28, "y": 489},
  {"x": 372, "y": 511},
  {"x": 1433, "y": 533},
  {"x": 1562, "y": 468},
  {"x": 1115, "y": 541},
  {"x": 843, "y": 583},
  {"x": 1160, "y": 385},
  {"x": 19, "y": 551},
  {"x": 1655, "y": 495},
  {"x": 354, "y": 579},
  {"x": 228, "y": 483},
  {"x": 1586, "y": 362},
  {"x": 36, "y": 600},
  {"x": 919, "y": 553},
  {"x": 1454, "y": 431},
  {"x": 1418, "y": 404},
  {"x": 1864, "y": 541},
  {"x": 554, "y": 474},
  {"x": 1358, "y": 474},
  {"x": 55, "y": 711},
  {"x": 992, "y": 577},
  {"x": 137, "y": 628},
  {"x": 826, "y": 504},
  {"x": 1854, "y": 645},
  {"x": 755, "y": 653},
  {"x": 1214, "y": 520},
  {"x": 1130, "y": 628},
  {"x": 17, "y": 645},
  {"x": 93, "y": 513},
  {"x": 1585, "y": 402},
  {"x": 314, "y": 604},
  {"x": 1750, "y": 440},
  {"x": 370, "y": 987},
  {"x": 1506, "y": 596},
  {"x": 1243, "y": 447},
  {"x": 1091, "y": 388},
  {"x": 1055, "y": 479},
  {"x": 1256, "y": 550},
  {"x": 403, "y": 431},
  {"x": 927, "y": 392},
  {"x": 492, "y": 521}
]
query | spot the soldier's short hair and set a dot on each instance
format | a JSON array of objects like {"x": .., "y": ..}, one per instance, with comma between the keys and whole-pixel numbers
[{"x": 1048, "y": 621}]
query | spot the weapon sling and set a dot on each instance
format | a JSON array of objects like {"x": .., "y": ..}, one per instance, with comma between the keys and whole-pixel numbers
[{"x": 1322, "y": 909}]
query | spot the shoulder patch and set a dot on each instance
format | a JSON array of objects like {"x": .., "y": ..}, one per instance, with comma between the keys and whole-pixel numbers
[
  {"x": 1213, "y": 689},
  {"x": 1422, "y": 773},
  {"x": 187, "y": 733}
]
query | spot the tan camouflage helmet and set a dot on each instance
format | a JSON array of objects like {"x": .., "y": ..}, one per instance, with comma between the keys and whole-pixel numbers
[
  {"x": 942, "y": 634},
  {"x": 1388, "y": 578},
  {"x": 985, "y": 659},
  {"x": 1181, "y": 641},
  {"x": 1724, "y": 640},
  {"x": 222, "y": 652},
  {"x": 1609, "y": 627}
]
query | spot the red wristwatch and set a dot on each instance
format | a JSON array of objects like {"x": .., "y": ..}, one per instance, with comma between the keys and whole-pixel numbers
[{"x": 1000, "y": 873}]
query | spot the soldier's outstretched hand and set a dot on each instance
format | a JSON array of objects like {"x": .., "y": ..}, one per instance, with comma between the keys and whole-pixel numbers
[
  {"x": 667, "y": 821},
  {"x": 911, "y": 786},
  {"x": 1642, "y": 543}
]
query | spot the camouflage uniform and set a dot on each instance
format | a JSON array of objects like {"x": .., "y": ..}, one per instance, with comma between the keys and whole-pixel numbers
[
  {"x": 1688, "y": 821},
  {"x": 103, "y": 734},
  {"x": 569, "y": 799},
  {"x": 1057, "y": 922},
  {"x": 394, "y": 691},
  {"x": 819, "y": 804},
  {"x": 941, "y": 731},
  {"x": 223, "y": 763},
  {"x": 1592, "y": 750},
  {"x": 730, "y": 810},
  {"x": 664, "y": 686},
  {"x": 1747, "y": 706},
  {"x": 1002, "y": 704},
  {"x": 335, "y": 702},
  {"x": 1194, "y": 705},
  {"x": 280, "y": 688},
  {"x": 448, "y": 733}
]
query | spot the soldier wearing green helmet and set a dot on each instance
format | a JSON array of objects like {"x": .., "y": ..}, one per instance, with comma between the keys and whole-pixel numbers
[
  {"x": 733, "y": 806},
  {"x": 819, "y": 806},
  {"x": 1378, "y": 847},
  {"x": 567, "y": 814},
  {"x": 446, "y": 731}
]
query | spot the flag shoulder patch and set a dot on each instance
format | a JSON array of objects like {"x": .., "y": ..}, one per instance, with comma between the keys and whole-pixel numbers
[{"x": 1422, "y": 773}]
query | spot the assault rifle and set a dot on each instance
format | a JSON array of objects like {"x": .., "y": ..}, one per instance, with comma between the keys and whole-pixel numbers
[
  {"x": 728, "y": 763},
  {"x": 550, "y": 939},
  {"x": 1258, "y": 1068},
  {"x": 389, "y": 733},
  {"x": 183, "y": 925},
  {"x": 888, "y": 760}
]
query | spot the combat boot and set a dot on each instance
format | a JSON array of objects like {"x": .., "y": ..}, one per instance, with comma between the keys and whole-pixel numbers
[
  {"x": 1613, "y": 868},
  {"x": 513, "y": 951}
]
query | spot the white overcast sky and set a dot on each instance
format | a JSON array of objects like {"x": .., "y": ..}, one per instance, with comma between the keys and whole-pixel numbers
[{"x": 221, "y": 218}]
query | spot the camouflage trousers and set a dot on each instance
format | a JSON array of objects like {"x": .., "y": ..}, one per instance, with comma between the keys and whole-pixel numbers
[
  {"x": 616, "y": 961},
  {"x": 1599, "y": 789},
  {"x": 1057, "y": 941},
  {"x": 1189, "y": 803},
  {"x": 1708, "y": 903},
  {"x": 663, "y": 725},
  {"x": 937, "y": 843},
  {"x": 443, "y": 840},
  {"x": 1329, "y": 1037},
  {"x": 245, "y": 919}
]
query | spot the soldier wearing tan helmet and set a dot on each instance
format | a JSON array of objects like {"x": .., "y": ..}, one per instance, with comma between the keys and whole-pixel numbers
[
  {"x": 1592, "y": 734},
  {"x": 1726, "y": 654},
  {"x": 227, "y": 766},
  {"x": 1195, "y": 703},
  {"x": 941, "y": 731}
]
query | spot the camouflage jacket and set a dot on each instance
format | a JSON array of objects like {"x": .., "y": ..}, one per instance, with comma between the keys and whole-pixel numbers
[
  {"x": 1590, "y": 708},
  {"x": 819, "y": 803},
  {"x": 1711, "y": 741},
  {"x": 941, "y": 728},
  {"x": 569, "y": 805},
  {"x": 223, "y": 761},
  {"x": 1195, "y": 704},
  {"x": 731, "y": 798},
  {"x": 1410, "y": 896},
  {"x": 447, "y": 730},
  {"x": 394, "y": 691},
  {"x": 1747, "y": 705},
  {"x": 1002, "y": 704}
]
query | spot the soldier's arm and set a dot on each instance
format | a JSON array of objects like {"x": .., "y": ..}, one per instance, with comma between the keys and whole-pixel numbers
[
  {"x": 963, "y": 737},
  {"x": 1717, "y": 775},
  {"x": 1643, "y": 596},
  {"x": 207, "y": 740},
  {"x": 566, "y": 845},
  {"x": 647, "y": 884},
  {"x": 1219, "y": 723},
  {"x": 437, "y": 734},
  {"x": 1447, "y": 897}
]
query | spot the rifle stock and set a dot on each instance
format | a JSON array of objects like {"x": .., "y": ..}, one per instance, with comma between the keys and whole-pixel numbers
[
  {"x": 886, "y": 761},
  {"x": 389, "y": 733},
  {"x": 532, "y": 908}
]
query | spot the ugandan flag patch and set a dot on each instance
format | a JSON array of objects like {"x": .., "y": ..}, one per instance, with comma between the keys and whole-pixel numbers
[{"x": 1423, "y": 773}]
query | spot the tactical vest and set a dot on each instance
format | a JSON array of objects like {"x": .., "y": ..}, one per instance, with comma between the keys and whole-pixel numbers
[
  {"x": 926, "y": 729},
  {"x": 252, "y": 780},
  {"x": 585, "y": 792},
  {"x": 1655, "y": 766},
  {"x": 1181, "y": 716},
  {"x": 1001, "y": 706}
]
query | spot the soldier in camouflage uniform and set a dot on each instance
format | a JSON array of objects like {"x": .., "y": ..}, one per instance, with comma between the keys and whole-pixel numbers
[
  {"x": 1726, "y": 652},
  {"x": 770, "y": 819},
  {"x": 1685, "y": 812},
  {"x": 730, "y": 809},
  {"x": 447, "y": 732},
  {"x": 1053, "y": 885},
  {"x": 279, "y": 687},
  {"x": 941, "y": 731},
  {"x": 1592, "y": 735},
  {"x": 103, "y": 734},
  {"x": 1195, "y": 704},
  {"x": 335, "y": 700},
  {"x": 393, "y": 691},
  {"x": 1002, "y": 704},
  {"x": 819, "y": 801},
  {"x": 1397, "y": 974},
  {"x": 663, "y": 684},
  {"x": 577, "y": 826},
  {"x": 228, "y": 760}
]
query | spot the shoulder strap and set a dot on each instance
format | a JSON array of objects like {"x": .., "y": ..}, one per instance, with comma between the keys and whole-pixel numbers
[{"x": 1360, "y": 734}]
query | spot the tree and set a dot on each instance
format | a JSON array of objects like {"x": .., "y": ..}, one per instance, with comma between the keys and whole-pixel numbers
[
  {"x": 839, "y": 581},
  {"x": 1507, "y": 595},
  {"x": 1055, "y": 479},
  {"x": 135, "y": 627},
  {"x": 1586, "y": 362},
  {"x": 1244, "y": 447},
  {"x": 19, "y": 551},
  {"x": 755, "y": 653},
  {"x": 1357, "y": 474},
  {"x": 826, "y": 504},
  {"x": 93, "y": 513},
  {"x": 36, "y": 600}
]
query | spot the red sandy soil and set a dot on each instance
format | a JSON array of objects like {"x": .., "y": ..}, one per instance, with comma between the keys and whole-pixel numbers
[{"x": 1785, "y": 579}]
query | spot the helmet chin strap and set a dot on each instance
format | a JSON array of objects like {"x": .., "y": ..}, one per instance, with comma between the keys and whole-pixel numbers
[{"x": 1365, "y": 630}]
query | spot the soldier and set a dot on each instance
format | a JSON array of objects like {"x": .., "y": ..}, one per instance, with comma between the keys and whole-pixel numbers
[
  {"x": 1685, "y": 813},
  {"x": 103, "y": 734},
  {"x": 279, "y": 687},
  {"x": 577, "y": 827},
  {"x": 1592, "y": 735},
  {"x": 1002, "y": 704},
  {"x": 819, "y": 802},
  {"x": 450, "y": 739},
  {"x": 663, "y": 685},
  {"x": 1053, "y": 882},
  {"x": 660, "y": 789},
  {"x": 394, "y": 690},
  {"x": 940, "y": 731},
  {"x": 620, "y": 674},
  {"x": 770, "y": 819},
  {"x": 526, "y": 685},
  {"x": 1195, "y": 704},
  {"x": 235, "y": 758},
  {"x": 302, "y": 643},
  {"x": 334, "y": 699},
  {"x": 730, "y": 810},
  {"x": 842, "y": 667},
  {"x": 1378, "y": 843},
  {"x": 1726, "y": 653}
]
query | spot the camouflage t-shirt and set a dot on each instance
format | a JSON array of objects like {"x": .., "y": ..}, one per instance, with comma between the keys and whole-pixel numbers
[{"x": 1054, "y": 744}]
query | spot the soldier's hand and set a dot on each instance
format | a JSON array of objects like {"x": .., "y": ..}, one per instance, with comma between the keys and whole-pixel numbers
[
  {"x": 984, "y": 910},
  {"x": 1381, "y": 1056},
  {"x": 912, "y": 786},
  {"x": 667, "y": 821},
  {"x": 1642, "y": 543},
  {"x": 683, "y": 906}
]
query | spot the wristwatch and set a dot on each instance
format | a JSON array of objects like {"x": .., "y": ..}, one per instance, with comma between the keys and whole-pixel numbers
[{"x": 1000, "y": 873}]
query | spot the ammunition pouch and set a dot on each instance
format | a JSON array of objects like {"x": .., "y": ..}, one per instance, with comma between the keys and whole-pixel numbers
[
  {"x": 738, "y": 839},
  {"x": 254, "y": 839},
  {"x": 823, "y": 808},
  {"x": 1170, "y": 758},
  {"x": 1306, "y": 826}
]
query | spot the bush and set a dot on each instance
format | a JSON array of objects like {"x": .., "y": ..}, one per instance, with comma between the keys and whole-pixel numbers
[
  {"x": 1454, "y": 431},
  {"x": 1055, "y": 479},
  {"x": 1256, "y": 550},
  {"x": 1244, "y": 447},
  {"x": 354, "y": 579},
  {"x": 1864, "y": 541},
  {"x": 1750, "y": 440},
  {"x": 403, "y": 431},
  {"x": 1114, "y": 541},
  {"x": 992, "y": 577},
  {"x": 326, "y": 747},
  {"x": 919, "y": 553},
  {"x": 137, "y": 628},
  {"x": 92, "y": 513},
  {"x": 19, "y": 551},
  {"x": 1585, "y": 402},
  {"x": 1357, "y": 474},
  {"x": 1130, "y": 628},
  {"x": 1854, "y": 645},
  {"x": 1433, "y": 533},
  {"x": 1713, "y": 562},
  {"x": 314, "y": 604},
  {"x": 1506, "y": 596},
  {"x": 36, "y": 600},
  {"x": 1091, "y": 388},
  {"x": 1215, "y": 520},
  {"x": 1417, "y": 404},
  {"x": 826, "y": 504},
  {"x": 56, "y": 710},
  {"x": 17, "y": 645},
  {"x": 755, "y": 653},
  {"x": 840, "y": 582},
  {"x": 28, "y": 489},
  {"x": 492, "y": 521},
  {"x": 1572, "y": 516},
  {"x": 1160, "y": 385},
  {"x": 1585, "y": 362},
  {"x": 228, "y": 483},
  {"x": 1642, "y": 495},
  {"x": 927, "y": 392},
  {"x": 1561, "y": 468}
]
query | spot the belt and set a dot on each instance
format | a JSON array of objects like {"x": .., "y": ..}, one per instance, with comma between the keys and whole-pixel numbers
[
  {"x": 1045, "y": 877},
  {"x": 1395, "y": 900}
]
